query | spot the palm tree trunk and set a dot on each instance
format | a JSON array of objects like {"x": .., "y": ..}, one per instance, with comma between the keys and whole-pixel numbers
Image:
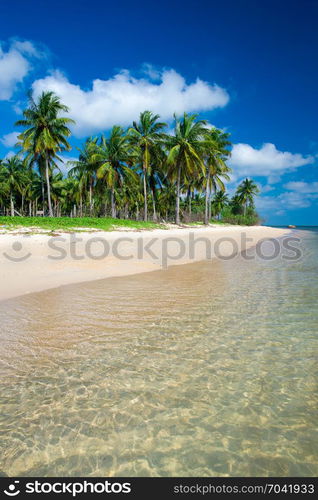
[
  {"x": 11, "y": 205},
  {"x": 113, "y": 204},
  {"x": 207, "y": 198},
  {"x": 209, "y": 204},
  {"x": 43, "y": 197},
  {"x": 154, "y": 207},
  {"x": 22, "y": 204},
  {"x": 81, "y": 205},
  {"x": 30, "y": 209},
  {"x": 178, "y": 196},
  {"x": 48, "y": 187},
  {"x": 91, "y": 197},
  {"x": 145, "y": 196},
  {"x": 126, "y": 211},
  {"x": 189, "y": 203}
]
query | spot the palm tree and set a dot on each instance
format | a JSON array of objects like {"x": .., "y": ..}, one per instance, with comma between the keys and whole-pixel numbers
[
  {"x": 146, "y": 137},
  {"x": 236, "y": 205},
  {"x": 216, "y": 144},
  {"x": 71, "y": 197},
  {"x": 46, "y": 131},
  {"x": 185, "y": 152},
  {"x": 246, "y": 192},
  {"x": 156, "y": 178},
  {"x": 219, "y": 201},
  {"x": 112, "y": 156},
  {"x": 4, "y": 188},
  {"x": 84, "y": 169},
  {"x": 15, "y": 177},
  {"x": 33, "y": 190}
]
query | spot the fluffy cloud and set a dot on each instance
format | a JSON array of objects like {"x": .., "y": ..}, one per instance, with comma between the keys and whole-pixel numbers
[
  {"x": 288, "y": 200},
  {"x": 121, "y": 98},
  {"x": 266, "y": 161},
  {"x": 302, "y": 187},
  {"x": 266, "y": 189},
  {"x": 298, "y": 195},
  {"x": 15, "y": 65},
  {"x": 62, "y": 165},
  {"x": 9, "y": 140}
]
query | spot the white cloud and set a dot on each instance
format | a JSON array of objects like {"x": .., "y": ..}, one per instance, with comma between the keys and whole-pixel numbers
[
  {"x": 266, "y": 189},
  {"x": 302, "y": 187},
  {"x": 15, "y": 65},
  {"x": 27, "y": 48},
  {"x": 266, "y": 161},
  {"x": 9, "y": 155},
  {"x": 9, "y": 140},
  {"x": 13, "y": 68},
  {"x": 294, "y": 200},
  {"x": 151, "y": 71},
  {"x": 121, "y": 98},
  {"x": 288, "y": 200}
]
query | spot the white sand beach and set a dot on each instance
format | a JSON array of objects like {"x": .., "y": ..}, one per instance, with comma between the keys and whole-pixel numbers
[{"x": 31, "y": 263}]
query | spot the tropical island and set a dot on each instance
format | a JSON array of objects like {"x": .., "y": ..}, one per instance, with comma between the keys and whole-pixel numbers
[{"x": 142, "y": 174}]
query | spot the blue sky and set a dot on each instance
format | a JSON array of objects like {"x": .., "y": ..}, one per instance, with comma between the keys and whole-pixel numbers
[{"x": 247, "y": 66}]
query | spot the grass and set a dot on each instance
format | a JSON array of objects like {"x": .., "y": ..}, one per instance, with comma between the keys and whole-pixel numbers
[
  {"x": 68, "y": 224},
  {"x": 78, "y": 224}
]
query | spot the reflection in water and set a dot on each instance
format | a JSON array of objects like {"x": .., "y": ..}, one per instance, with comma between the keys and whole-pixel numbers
[{"x": 202, "y": 370}]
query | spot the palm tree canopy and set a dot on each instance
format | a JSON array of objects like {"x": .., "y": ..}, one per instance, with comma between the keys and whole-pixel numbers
[
  {"x": 185, "y": 145},
  {"x": 113, "y": 157},
  {"x": 13, "y": 173},
  {"x": 247, "y": 190},
  {"x": 85, "y": 163},
  {"x": 145, "y": 136},
  {"x": 216, "y": 144},
  {"x": 46, "y": 131}
]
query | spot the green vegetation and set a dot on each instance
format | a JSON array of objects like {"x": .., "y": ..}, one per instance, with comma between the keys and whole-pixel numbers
[
  {"x": 140, "y": 173},
  {"x": 67, "y": 223}
]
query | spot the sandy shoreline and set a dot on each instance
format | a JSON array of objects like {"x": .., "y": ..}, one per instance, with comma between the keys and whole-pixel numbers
[{"x": 31, "y": 263}]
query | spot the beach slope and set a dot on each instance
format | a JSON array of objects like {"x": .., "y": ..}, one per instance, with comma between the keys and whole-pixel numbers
[{"x": 34, "y": 262}]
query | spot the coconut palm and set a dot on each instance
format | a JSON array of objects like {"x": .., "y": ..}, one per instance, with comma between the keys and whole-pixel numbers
[
  {"x": 4, "y": 188},
  {"x": 46, "y": 132},
  {"x": 220, "y": 200},
  {"x": 185, "y": 152},
  {"x": 146, "y": 137},
  {"x": 157, "y": 178},
  {"x": 246, "y": 192},
  {"x": 33, "y": 189},
  {"x": 84, "y": 169},
  {"x": 112, "y": 157},
  {"x": 15, "y": 177},
  {"x": 216, "y": 154}
]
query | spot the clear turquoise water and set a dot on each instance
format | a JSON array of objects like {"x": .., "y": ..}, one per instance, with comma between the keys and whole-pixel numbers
[{"x": 201, "y": 370}]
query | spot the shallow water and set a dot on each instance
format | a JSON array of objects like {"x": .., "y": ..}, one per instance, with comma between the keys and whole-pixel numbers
[{"x": 202, "y": 370}]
